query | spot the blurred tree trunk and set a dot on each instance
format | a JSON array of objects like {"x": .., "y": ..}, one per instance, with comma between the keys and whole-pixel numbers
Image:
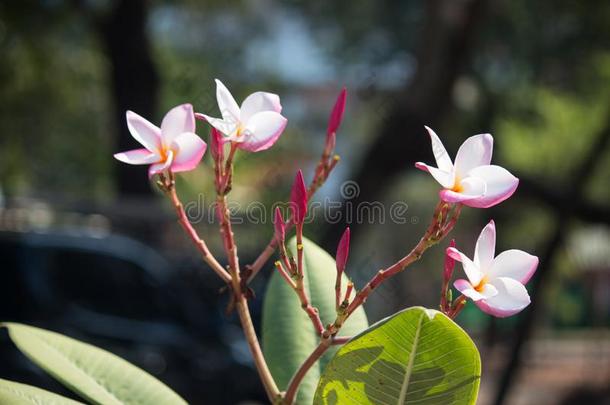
[
  {"x": 134, "y": 82},
  {"x": 401, "y": 139}
]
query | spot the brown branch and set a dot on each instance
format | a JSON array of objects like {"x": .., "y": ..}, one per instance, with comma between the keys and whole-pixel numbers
[
  {"x": 295, "y": 382},
  {"x": 169, "y": 187},
  {"x": 299, "y": 289}
]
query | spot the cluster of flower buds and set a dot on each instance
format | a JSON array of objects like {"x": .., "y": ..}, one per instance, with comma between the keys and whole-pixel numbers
[{"x": 288, "y": 267}]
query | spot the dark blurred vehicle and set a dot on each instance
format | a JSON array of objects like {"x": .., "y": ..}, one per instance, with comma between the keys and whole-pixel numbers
[{"x": 121, "y": 295}]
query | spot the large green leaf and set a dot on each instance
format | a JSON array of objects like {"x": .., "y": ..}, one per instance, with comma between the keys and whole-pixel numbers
[
  {"x": 417, "y": 356},
  {"x": 288, "y": 335},
  {"x": 93, "y": 373},
  {"x": 21, "y": 394}
]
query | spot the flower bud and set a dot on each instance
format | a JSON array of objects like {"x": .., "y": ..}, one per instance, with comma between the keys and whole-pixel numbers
[
  {"x": 298, "y": 199},
  {"x": 216, "y": 144},
  {"x": 342, "y": 251},
  {"x": 337, "y": 113},
  {"x": 449, "y": 262}
]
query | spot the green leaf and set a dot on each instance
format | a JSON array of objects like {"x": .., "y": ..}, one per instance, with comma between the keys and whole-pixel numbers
[
  {"x": 15, "y": 393},
  {"x": 417, "y": 356},
  {"x": 288, "y": 335},
  {"x": 95, "y": 374}
]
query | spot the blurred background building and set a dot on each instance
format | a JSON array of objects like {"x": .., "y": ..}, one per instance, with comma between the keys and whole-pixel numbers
[{"x": 90, "y": 249}]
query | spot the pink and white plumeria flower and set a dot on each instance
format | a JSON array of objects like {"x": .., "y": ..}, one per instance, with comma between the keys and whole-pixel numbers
[
  {"x": 471, "y": 180},
  {"x": 174, "y": 146},
  {"x": 254, "y": 126},
  {"x": 496, "y": 284}
]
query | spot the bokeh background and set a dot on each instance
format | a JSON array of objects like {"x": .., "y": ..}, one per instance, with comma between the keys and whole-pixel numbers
[{"x": 90, "y": 249}]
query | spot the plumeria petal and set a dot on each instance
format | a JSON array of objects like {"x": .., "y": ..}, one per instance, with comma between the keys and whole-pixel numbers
[
  {"x": 162, "y": 166},
  {"x": 474, "y": 274},
  {"x": 469, "y": 188},
  {"x": 485, "y": 250},
  {"x": 469, "y": 291},
  {"x": 445, "y": 179},
  {"x": 501, "y": 184},
  {"x": 475, "y": 151},
  {"x": 137, "y": 157},
  {"x": 144, "y": 131},
  {"x": 512, "y": 298},
  {"x": 259, "y": 102},
  {"x": 515, "y": 264},
  {"x": 189, "y": 149},
  {"x": 225, "y": 127},
  {"x": 262, "y": 130},
  {"x": 226, "y": 103},
  {"x": 178, "y": 120},
  {"x": 443, "y": 161}
]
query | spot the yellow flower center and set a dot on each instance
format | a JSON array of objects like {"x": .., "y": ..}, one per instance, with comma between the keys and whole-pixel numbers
[
  {"x": 458, "y": 188},
  {"x": 479, "y": 287}
]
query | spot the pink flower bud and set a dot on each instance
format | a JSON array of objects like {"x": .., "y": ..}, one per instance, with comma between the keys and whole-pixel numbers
[
  {"x": 337, "y": 114},
  {"x": 216, "y": 144},
  {"x": 280, "y": 226},
  {"x": 449, "y": 262},
  {"x": 298, "y": 199},
  {"x": 343, "y": 251}
]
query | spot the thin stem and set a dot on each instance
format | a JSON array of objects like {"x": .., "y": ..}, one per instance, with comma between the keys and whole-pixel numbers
[
  {"x": 338, "y": 289},
  {"x": 285, "y": 275},
  {"x": 348, "y": 292},
  {"x": 341, "y": 340},
  {"x": 273, "y": 392},
  {"x": 169, "y": 186},
  {"x": 311, "y": 311},
  {"x": 457, "y": 306},
  {"x": 295, "y": 382}
]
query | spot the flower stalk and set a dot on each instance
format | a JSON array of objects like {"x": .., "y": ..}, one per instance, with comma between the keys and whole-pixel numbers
[{"x": 168, "y": 185}]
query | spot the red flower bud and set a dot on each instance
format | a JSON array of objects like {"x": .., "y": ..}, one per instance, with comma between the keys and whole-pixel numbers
[
  {"x": 216, "y": 144},
  {"x": 280, "y": 226},
  {"x": 449, "y": 263},
  {"x": 337, "y": 114},
  {"x": 298, "y": 199},
  {"x": 342, "y": 251}
]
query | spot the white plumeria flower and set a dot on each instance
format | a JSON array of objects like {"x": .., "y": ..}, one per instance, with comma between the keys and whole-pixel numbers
[
  {"x": 472, "y": 180},
  {"x": 254, "y": 126},
  {"x": 174, "y": 146},
  {"x": 496, "y": 284}
]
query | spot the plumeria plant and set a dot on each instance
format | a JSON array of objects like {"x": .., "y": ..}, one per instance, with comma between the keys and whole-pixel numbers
[{"x": 317, "y": 346}]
